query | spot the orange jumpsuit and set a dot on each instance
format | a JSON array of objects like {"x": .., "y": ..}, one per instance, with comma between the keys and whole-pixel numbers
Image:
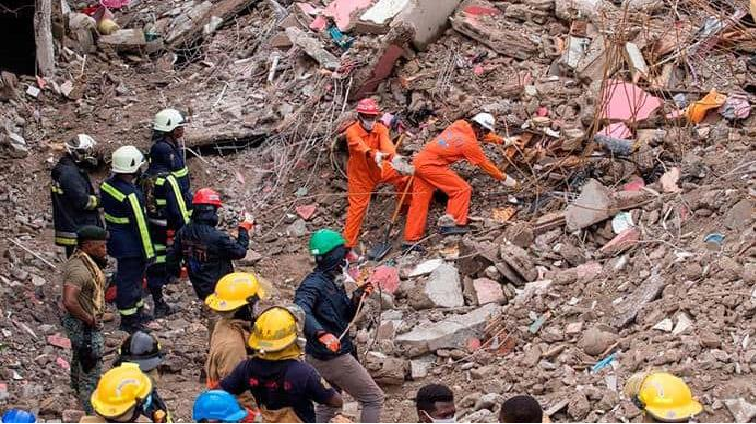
[
  {"x": 455, "y": 143},
  {"x": 363, "y": 174}
]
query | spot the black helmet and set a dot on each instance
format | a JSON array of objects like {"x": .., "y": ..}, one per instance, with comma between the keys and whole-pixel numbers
[{"x": 143, "y": 349}]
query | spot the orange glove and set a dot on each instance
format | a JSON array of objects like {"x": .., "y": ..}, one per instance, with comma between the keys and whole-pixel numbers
[
  {"x": 330, "y": 342},
  {"x": 247, "y": 221}
]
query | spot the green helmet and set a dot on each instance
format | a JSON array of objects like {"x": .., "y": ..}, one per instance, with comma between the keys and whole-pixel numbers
[{"x": 323, "y": 241}]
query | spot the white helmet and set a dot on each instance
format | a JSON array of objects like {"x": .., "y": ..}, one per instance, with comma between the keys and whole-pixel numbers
[
  {"x": 485, "y": 120},
  {"x": 126, "y": 160},
  {"x": 167, "y": 120},
  {"x": 81, "y": 148}
]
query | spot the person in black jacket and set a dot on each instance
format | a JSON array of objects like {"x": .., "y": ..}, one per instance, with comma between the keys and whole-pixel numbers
[
  {"x": 74, "y": 200},
  {"x": 166, "y": 150},
  {"x": 328, "y": 312},
  {"x": 208, "y": 251}
]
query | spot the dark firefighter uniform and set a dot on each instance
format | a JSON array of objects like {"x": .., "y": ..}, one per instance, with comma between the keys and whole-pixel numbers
[
  {"x": 74, "y": 202},
  {"x": 129, "y": 243},
  {"x": 165, "y": 153}
]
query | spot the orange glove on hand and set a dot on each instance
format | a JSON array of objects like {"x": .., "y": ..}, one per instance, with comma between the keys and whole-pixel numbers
[
  {"x": 248, "y": 221},
  {"x": 330, "y": 342}
]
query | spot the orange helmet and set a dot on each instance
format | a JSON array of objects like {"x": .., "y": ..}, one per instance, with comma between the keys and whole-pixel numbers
[
  {"x": 368, "y": 107},
  {"x": 207, "y": 196}
]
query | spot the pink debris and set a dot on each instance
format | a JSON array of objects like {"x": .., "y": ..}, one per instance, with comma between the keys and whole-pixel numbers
[
  {"x": 307, "y": 8},
  {"x": 318, "y": 24},
  {"x": 622, "y": 241},
  {"x": 342, "y": 11},
  {"x": 542, "y": 111},
  {"x": 387, "y": 277},
  {"x": 736, "y": 106},
  {"x": 617, "y": 130},
  {"x": 306, "y": 211},
  {"x": 625, "y": 101},
  {"x": 479, "y": 70},
  {"x": 482, "y": 11},
  {"x": 472, "y": 344},
  {"x": 58, "y": 341},
  {"x": 114, "y": 4},
  {"x": 589, "y": 270},
  {"x": 635, "y": 184},
  {"x": 63, "y": 363},
  {"x": 488, "y": 291}
]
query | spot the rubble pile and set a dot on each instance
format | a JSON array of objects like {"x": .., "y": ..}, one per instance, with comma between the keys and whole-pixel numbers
[{"x": 630, "y": 247}]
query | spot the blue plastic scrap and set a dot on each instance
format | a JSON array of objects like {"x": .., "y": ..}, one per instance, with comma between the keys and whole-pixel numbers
[
  {"x": 603, "y": 363},
  {"x": 338, "y": 37}
]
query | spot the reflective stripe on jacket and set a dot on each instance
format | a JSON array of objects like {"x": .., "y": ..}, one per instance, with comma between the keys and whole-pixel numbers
[{"x": 125, "y": 220}]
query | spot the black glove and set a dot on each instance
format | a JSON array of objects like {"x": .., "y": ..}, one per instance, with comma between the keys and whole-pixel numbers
[{"x": 87, "y": 356}]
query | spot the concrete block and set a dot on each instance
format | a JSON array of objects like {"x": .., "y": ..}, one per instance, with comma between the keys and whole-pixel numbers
[
  {"x": 483, "y": 22},
  {"x": 488, "y": 291},
  {"x": 451, "y": 333},
  {"x": 444, "y": 288},
  {"x": 593, "y": 205},
  {"x": 428, "y": 18},
  {"x": 384, "y": 11}
]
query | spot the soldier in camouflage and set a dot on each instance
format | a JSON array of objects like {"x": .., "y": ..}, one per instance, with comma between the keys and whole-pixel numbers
[{"x": 84, "y": 305}]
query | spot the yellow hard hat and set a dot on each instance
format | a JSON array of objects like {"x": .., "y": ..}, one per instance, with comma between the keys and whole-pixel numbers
[
  {"x": 234, "y": 291},
  {"x": 665, "y": 397},
  {"x": 120, "y": 389},
  {"x": 274, "y": 330}
]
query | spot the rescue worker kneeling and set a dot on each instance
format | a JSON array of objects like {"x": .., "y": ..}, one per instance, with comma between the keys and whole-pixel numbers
[
  {"x": 124, "y": 394},
  {"x": 235, "y": 299},
  {"x": 283, "y": 386}
]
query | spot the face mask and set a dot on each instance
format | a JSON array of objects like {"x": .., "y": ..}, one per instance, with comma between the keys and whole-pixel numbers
[
  {"x": 345, "y": 275},
  {"x": 367, "y": 124},
  {"x": 439, "y": 420}
]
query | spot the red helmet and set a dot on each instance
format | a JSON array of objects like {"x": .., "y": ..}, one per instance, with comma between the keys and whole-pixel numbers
[
  {"x": 368, "y": 107},
  {"x": 207, "y": 196}
]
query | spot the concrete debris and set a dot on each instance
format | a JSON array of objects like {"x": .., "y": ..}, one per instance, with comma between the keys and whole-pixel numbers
[
  {"x": 444, "y": 287},
  {"x": 426, "y": 267},
  {"x": 740, "y": 215},
  {"x": 628, "y": 309},
  {"x": 386, "y": 369},
  {"x": 596, "y": 340},
  {"x": 451, "y": 333},
  {"x": 593, "y": 205},
  {"x": 742, "y": 410},
  {"x": 297, "y": 229},
  {"x": 665, "y": 325},
  {"x": 477, "y": 20},
  {"x": 488, "y": 291},
  {"x": 313, "y": 48}
]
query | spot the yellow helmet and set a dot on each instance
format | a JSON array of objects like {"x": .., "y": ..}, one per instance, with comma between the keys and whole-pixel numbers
[
  {"x": 234, "y": 291},
  {"x": 120, "y": 389},
  {"x": 665, "y": 397},
  {"x": 274, "y": 330}
]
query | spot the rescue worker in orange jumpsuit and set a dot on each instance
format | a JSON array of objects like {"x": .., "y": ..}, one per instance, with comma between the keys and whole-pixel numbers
[
  {"x": 457, "y": 142},
  {"x": 370, "y": 150}
]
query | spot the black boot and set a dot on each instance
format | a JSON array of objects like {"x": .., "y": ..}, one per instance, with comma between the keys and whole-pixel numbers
[
  {"x": 452, "y": 230},
  {"x": 411, "y": 247},
  {"x": 131, "y": 323},
  {"x": 162, "y": 309}
]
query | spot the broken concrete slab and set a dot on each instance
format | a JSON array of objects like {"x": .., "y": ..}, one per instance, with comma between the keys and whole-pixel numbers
[
  {"x": 628, "y": 309},
  {"x": 594, "y": 204},
  {"x": 444, "y": 287},
  {"x": 426, "y": 267},
  {"x": 740, "y": 216},
  {"x": 477, "y": 20},
  {"x": 313, "y": 48},
  {"x": 536, "y": 288},
  {"x": 488, "y": 291},
  {"x": 627, "y": 102},
  {"x": 123, "y": 39},
  {"x": 385, "y": 369},
  {"x": 382, "y": 12},
  {"x": 519, "y": 261},
  {"x": 623, "y": 241},
  {"x": 451, "y": 333},
  {"x": 582, "y": 9},
  {"x": 427, "y": 18},
  {"x": 742, "y": 410}
]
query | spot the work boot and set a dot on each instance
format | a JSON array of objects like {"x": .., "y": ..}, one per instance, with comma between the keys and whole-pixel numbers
[
  {"x": 452, "y": 230},
  {"x": 412, "y": 247},
  {"x": 162, "y": 309},
  {"x": 144, "y": 316},
  {"x": 131, "y": 323}
]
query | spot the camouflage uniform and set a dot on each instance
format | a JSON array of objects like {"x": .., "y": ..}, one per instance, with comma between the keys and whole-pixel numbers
[
  {"x": 84, "y": 382},
  {"x": 80, "y": 270}
]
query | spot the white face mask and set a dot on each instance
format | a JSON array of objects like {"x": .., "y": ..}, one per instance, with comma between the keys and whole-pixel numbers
[
  {"x": 345, "y": 273},
  {"x": 367, "y": 124},
  {"x": 439, "y": 420}
]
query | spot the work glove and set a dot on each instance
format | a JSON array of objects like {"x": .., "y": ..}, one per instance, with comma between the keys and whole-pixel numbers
[
  {"x": 512, "y": 183},
  {"x": 399, "y": 163},
  {"x": 364, "y": 289},
  {"x": 87, "y": 356},
  {"x": 247, "y": 221},
  {"x": 330, "y": 342},
  {"x": 379, "y": 157}
]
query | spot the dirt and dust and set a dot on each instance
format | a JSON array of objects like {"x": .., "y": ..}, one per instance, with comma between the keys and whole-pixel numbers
[{"x": 645, "y": 258}]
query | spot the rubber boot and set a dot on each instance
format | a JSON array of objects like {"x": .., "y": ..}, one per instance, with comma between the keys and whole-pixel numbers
[
  {"x": 131, "y": 323},
  {"x": 162, "y": 309},
  {"x": 452, "y": 230}
]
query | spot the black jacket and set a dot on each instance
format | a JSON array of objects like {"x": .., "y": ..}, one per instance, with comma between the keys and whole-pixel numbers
[
  {"x": 208, "y": 252},
  {"x": 74, "y": 201},
  {"x": 328, "y": 309}
]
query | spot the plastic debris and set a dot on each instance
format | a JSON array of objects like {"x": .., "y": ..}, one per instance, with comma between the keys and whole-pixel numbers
[
  {"x": 538, "y": 323},
  {"x": 338, "y": 37},
  {"x": 736, "y": 106},
  {"x": 714, "y": 240},
  {"x": 697, "y": 111},
  {"x": 603, "y": 363},
  {"x": 622, "y": 221}
]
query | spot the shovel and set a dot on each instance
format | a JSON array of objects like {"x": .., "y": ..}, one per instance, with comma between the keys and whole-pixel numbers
[{"x": 377, "y": 252}]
